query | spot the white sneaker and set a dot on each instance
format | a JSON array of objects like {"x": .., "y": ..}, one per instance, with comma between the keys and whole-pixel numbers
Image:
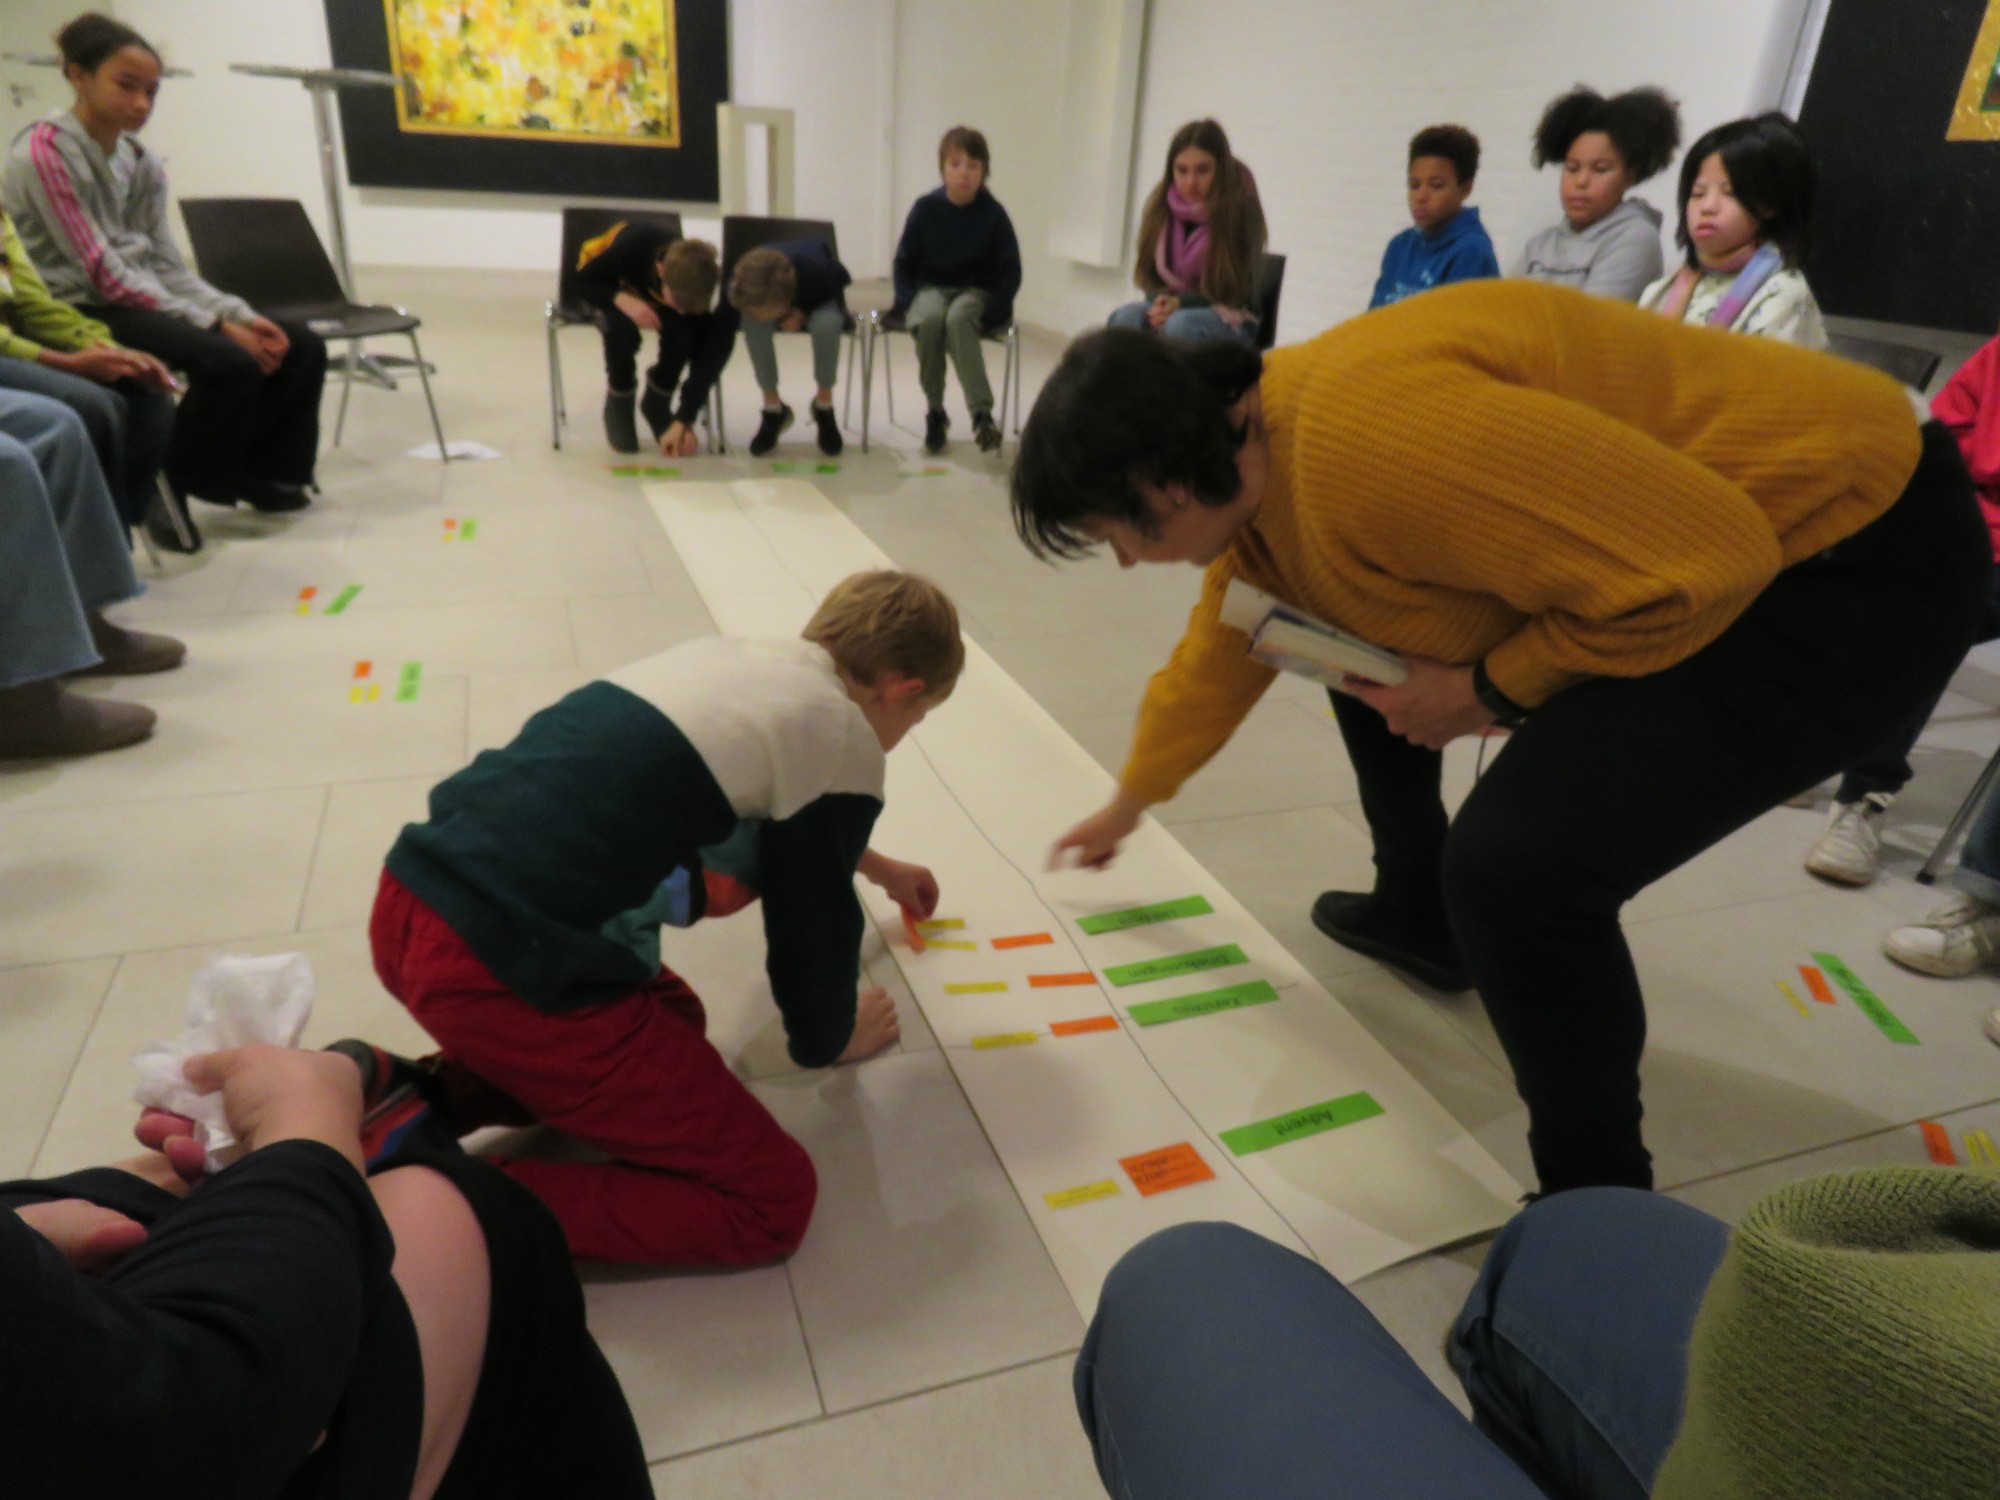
[
  {"x": 1952, "y": 942},
  {"x": 1850, "y": 851}
]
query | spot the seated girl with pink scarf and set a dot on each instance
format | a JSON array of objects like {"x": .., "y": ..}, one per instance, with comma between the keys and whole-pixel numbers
[{"x": 1201, "y": 240}]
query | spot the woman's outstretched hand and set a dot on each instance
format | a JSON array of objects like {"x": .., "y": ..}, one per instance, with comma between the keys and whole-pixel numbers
[
  {"x": 1431, "y": 707},
  {"x": 1096, "y": 839}
]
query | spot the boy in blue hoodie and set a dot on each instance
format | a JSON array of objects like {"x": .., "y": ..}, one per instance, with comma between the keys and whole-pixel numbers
[{"x": 1448, "y": 242}]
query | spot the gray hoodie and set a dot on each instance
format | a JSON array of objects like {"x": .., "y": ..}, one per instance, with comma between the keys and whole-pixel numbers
[
  {"x": 1618, "y": 256},
  {"x": 96, "y": 227}
]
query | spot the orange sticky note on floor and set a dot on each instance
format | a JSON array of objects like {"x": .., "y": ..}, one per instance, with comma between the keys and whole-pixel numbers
[
  {"x": 1056, "y": 981},
  {"x": 363, "y": 668},
  {"x": 910, "y": 928},
  {"x": 1937, "y": 1141},
  {"x": 1026, "y": 940},
  {"x": 307, "y": 592},
  {"x": 1816, "y": 983},
  {"x": 1169, "y": 1167},
  {"x": 1078, "y": 1028}
]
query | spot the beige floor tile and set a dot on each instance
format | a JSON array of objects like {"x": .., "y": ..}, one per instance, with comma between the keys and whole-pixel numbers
[
  {"x": 495, "y": 567},
  {"x": 703, "y": 1357},
  {"x": 46, "y": 1012},
  {"x": 613, "y": 632},
  {"x": 148, "y": 1002},
  {"x": 920, "y": 1267},
  {"x": 362, "y": 821},
  {"x": 1011, "y": 1436},
  {"x": 501, "y": 702},
  {"x": 77, "y": 882}
]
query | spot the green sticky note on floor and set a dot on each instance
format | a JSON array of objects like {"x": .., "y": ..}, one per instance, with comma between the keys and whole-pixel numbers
[
  {"x": 411, "y": 680},
  {"x": 1200, "y": 961},
  {"x": 1866, "y": 1000},
  {"x": 784, "y": 466},
  {"x": 1145, "y": 916},
  {"x": 467, "y": 530},
  {"x": 826, "y": 468},
  {"x": 644, "y": 471},
  {"x": 344, "y": 598},
  {"x": 1300, "y": 1123},
  {"x": 1207, "y": 1003}
]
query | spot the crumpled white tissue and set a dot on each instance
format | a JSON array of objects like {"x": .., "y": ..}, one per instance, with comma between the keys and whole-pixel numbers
[{"x": 233, "y": 1001}]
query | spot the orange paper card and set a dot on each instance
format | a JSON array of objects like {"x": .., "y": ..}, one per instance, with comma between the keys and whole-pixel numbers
[
  {"x": 1816, "y": 982},
  {"x": 1026, "y": 940},
  {"x": 1078, "y": 1028},
  {"x": 363, "y": 668},
  {"x": 1937, "y": 1141},
  {"x": 1169, "y": 1167},
  {"x": 1057, "y": 981},
  {"x": 910, "y": 928}
]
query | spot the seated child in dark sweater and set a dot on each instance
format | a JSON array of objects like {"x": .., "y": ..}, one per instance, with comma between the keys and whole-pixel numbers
[
  {"x": 504, "y": 922},
  {"x": 1446, "y": 242},
  {"x": 641, "y": 276},
  {"x": 957, "y": 269},
  {"x": 787, "y": 286}
]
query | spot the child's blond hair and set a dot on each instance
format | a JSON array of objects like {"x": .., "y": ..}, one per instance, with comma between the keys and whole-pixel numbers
[
  {"x": 763, "y": 278},
  {"x": 689, "y": 272},
  {"x": 872, "y": 623}
]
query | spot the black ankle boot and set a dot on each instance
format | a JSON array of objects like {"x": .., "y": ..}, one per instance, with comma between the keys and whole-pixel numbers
[
  {"x": 1369, "y": 924},
  {"x": 657, "y": 407},
  {"x": 830, "y": 440},
  {"x": 776, "y": 420},
  {"x": 937, "y": 421},
  {"x": 620, "y": 431}
]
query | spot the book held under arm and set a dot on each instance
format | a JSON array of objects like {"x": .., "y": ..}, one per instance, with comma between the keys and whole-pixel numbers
[{"x": 1293, "y": 641}]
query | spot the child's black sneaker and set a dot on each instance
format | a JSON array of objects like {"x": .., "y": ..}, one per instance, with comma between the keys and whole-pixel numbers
[
  {"x": 620, "y": 431},
  {"x": 935, "y": 425},
  {"x": 983, "y": 430},
  {"x": 657, "y": 407},
  {"x": 776, "y": 420},
  {"x": 830, "y": 441},
  {"x": 399, "y": 1097}
]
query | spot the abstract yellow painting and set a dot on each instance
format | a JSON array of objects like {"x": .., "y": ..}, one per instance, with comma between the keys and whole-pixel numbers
[
  {"x": 1977, "y": 116},
  {"x": 582, "y": 70}
]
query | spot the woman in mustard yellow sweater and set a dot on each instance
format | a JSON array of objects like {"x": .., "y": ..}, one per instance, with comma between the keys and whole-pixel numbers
[{"x": 1693, "y": 573}]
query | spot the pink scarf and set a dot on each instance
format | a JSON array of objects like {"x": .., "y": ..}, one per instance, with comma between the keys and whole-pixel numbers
[
  {"x": 1753, "y": 264},
  {"x": 1181, "y": 251}
]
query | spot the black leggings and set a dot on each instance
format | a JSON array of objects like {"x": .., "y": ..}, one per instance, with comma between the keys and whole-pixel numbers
[
  {"x": 236, "y": 424},
  {"x": 1618, "y": 781}
]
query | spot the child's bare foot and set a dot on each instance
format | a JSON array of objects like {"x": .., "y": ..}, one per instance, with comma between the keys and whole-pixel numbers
[{"x": 875, "y": 1025}]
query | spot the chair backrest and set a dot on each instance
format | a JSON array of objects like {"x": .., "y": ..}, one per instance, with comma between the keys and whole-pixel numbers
[
  {"x": 1909, "y": 364},
  {"x": 582, "y": 225},
  {"x": 742, "y": 233},
  {"x": 1270, "y": 283},
  {"x": 263, "y": 250}
]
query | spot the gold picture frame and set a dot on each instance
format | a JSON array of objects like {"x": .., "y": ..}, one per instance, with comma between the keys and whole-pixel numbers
[
  {"x": 541, "y": 70},
  {"x": 1976, "y": 117}
]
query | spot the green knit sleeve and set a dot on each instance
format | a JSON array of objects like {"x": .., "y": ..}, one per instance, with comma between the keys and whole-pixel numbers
[{"x": 34, "y": 319}]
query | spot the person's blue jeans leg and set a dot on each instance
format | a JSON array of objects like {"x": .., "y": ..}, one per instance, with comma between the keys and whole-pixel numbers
[
  {"x": 1221, "y": 1366},
  {"x": 1194, "y": 325},
  {"x": 108, "y": 416},
  {"x": 43, "y": 633},
  {"x": 93, "y": 538},
  {"x": 1573, "y": 1343},
  {"x": 1131, "y": 315}
]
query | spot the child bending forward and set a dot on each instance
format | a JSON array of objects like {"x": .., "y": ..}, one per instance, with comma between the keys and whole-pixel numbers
[{"x": 504, "y": 923}]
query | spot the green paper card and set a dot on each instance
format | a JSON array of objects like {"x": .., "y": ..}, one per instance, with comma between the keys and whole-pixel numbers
[
  {"x": 1207, "y": 1003},
  {"x": 1866, "y": 1000},
  {"x": 1300, "y": 1123},
  {"x": 1145, "y": 916},
  {"x": 1198, "y": 962},
  {"x": 344, "y": 598},
  {"x": 412, "y": 679},
  {"x": 826, "y": 468}
]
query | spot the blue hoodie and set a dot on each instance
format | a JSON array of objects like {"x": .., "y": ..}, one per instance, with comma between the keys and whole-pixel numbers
[{"x": 1416, "y": 262}]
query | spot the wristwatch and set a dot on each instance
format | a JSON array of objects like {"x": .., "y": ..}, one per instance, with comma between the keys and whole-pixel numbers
[{"x": 1506, "y": 712}]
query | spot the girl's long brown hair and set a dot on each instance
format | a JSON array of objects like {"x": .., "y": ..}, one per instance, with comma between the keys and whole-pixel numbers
[{"x": 1235, "y": 222}]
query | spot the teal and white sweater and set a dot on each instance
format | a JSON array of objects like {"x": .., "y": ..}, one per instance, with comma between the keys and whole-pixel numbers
[{"x": 533, "y": 851}]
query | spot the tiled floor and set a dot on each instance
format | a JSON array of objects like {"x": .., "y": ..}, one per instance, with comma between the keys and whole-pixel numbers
[{"x": 919, "y": 1343}]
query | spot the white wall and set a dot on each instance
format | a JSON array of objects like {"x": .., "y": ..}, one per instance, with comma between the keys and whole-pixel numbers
[{"x": 225, "y": 134}]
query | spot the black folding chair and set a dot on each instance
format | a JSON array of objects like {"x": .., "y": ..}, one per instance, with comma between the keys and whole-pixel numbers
[
  {"x": 1270, "y": 286},
  {"x": 880, "y": 323},
  {"x": 266, "y": 251},
  {"x": 1909, "y": 364},
  {"x": 742, "y": 233},
  {"x": 570, "y": 310}
]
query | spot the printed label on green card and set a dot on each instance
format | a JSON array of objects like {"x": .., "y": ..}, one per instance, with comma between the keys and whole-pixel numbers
[
  {"x": 411, "y": 680},
  {"x": 1301, "y": 1123},
  {"x": 1207, "y": 1003},
  {"x": 344, "y": 598},
  {"x": 1866, "y": 1000},
  {"x": 1201, "y": 960},
  {"x": 1145, "y": 916}
]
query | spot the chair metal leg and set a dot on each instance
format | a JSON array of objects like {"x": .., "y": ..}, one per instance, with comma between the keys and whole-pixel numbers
[
  {"x": 423, "y": 374},
  {"x": 152, "y": 552},
  {"x": 183, "y": 532},
  {"x": 1967, "y": 811},
  {"x": 721, "y": 417},
  {"x": 847, "y": 396},
  {"x": 1014, "y": 371},
  {"x": 867, "y": 376},
  {"x": 889, "y": 382},
  {"x": 346, "y": 388},
  {"x": 555, "y": 386}
]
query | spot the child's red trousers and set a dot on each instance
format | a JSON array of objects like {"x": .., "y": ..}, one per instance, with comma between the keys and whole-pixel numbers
[{"x": 703, "y": 1174}]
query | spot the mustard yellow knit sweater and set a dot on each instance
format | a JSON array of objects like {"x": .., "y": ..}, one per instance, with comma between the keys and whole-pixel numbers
[{"x": 1558, "y": 484}]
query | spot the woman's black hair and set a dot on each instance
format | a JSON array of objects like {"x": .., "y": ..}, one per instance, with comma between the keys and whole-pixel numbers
[
  {"x": 91, "y": 38},
  {"x": 1771, "y": 173},
  {"x": 1125, "y": 408},
  {"x": 1644, "y": 124}
]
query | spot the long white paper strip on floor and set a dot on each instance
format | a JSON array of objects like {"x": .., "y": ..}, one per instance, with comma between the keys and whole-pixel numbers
[{"x": 1225, "y": 1047}]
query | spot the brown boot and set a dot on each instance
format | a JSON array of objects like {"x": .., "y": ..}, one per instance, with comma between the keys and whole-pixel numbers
[
  {"x": 130, "y": 653},
  {"x": 42, "y": 718}
]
